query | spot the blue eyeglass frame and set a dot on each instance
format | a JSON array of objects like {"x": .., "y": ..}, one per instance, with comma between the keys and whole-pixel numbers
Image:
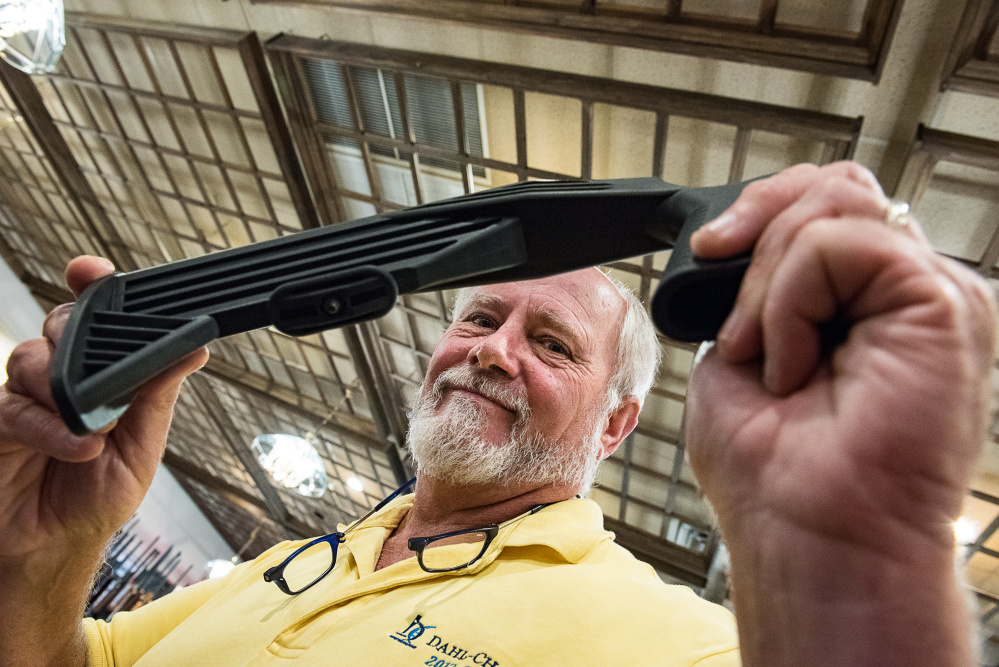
[
  {"x": 418, "y": 544},
  {"x": 276, "y": 573}
]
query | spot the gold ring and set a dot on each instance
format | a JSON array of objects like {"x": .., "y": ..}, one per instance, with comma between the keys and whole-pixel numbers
[{"x": 896, "y": 214}]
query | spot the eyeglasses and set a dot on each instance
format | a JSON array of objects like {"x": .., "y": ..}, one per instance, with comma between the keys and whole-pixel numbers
[
  {"x": 448, "y": 552},
  {"x": 310, "y": 563},
  {"x": 459, "y": 549}
]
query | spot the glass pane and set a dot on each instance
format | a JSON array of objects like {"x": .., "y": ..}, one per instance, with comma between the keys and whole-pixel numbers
[
  {"x": 308, "y": 566},
  {"x": 455, "y": 551}
]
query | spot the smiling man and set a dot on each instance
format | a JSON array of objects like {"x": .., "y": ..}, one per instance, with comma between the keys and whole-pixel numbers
[
  {"x": 836, "y": 476},
  {"x": 523, "y": 398}
]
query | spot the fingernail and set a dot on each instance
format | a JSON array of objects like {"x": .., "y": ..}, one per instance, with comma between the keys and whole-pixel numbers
[
  {"x": 721, "y": 223},
  {"x": 104, "y": 430}
]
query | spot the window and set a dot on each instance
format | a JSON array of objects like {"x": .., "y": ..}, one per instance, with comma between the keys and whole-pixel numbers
[{"x": 431, "y": 119}]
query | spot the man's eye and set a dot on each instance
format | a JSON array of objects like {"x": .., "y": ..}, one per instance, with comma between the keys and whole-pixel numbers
[
  {"x": 479, "y": 320},
  {"x": 555, "y": 346}
]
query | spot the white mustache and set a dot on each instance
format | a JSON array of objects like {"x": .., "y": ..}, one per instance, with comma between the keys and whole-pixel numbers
[{"x": 470, "y": 377}]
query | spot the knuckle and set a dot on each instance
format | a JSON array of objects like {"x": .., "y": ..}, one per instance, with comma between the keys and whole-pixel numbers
[
  {"x": 985, "y": 311},
  {"x": 57, "y": 315},
  {"x": 805, "y": 169},
  {"x": 831, "y": 187},
  {"x": 856, "y": 172},
  {"x": 23, "y": 358},
  {"x": 25, "y": 352},
  {"x": 758, "y": 188},
  {"x": 62, "y": 310},
  {"x": 778, "y": 187},
  {"x": 766, "y": 190}
]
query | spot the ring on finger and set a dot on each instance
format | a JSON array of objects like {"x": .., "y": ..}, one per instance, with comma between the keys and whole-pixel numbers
[{"x": 896, "y": 214}]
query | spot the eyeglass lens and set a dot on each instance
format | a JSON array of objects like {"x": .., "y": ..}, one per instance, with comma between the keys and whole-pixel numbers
[
  {"x": 310, "y": 565},
  {"x": 455, "y": 551}
]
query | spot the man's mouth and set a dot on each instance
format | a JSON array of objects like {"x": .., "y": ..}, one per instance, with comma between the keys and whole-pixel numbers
[{"x": 477, "y": 392}]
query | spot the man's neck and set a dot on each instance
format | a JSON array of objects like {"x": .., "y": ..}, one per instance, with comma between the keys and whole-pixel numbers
[{"x": 440, "y": 507}]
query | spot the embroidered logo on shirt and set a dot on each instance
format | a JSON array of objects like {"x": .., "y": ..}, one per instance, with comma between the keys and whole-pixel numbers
[
  {"x": 413, "y": 632},
  {"x": 440, "y": 645}
]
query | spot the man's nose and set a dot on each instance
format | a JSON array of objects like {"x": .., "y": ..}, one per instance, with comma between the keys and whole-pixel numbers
[{"x": 500, "y": 351}]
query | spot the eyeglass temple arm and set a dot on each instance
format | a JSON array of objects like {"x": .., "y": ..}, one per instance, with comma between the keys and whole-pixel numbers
[{"x": 127, "y": 327}]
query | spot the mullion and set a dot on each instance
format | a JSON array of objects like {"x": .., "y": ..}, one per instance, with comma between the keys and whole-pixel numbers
[
  {"x": 85, "y": 105},
  {"x": 254, "y": 170},
  {"x": 168, "y": 114},
  {"x": 408, "y": 136},
  {"x": 434, "y": 151},
  {"x": 355, "y": 110},
  {"x": 459, "y": 131},
  {"x": 208, "y": 137},
  {"x": 137, "y": 111}
]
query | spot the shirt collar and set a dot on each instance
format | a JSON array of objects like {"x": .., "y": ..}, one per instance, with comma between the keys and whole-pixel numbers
[{"x": 572, "y": 528}]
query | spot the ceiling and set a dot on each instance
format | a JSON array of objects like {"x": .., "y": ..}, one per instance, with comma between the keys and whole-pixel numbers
[{"x": 175, "y": 129}]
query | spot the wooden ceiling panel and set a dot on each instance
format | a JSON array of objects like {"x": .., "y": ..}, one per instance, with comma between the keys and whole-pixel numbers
[
  {"x": 849, "y": 39},
  {"x": 973, "y": 63}
]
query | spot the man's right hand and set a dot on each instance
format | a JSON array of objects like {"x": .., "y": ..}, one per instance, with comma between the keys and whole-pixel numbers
[
  {"x": 63, "y": 496},
  {"x": 59, "y": 491}
]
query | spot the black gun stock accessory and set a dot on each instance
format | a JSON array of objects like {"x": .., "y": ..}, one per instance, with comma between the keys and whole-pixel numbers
[{"x": 127, "y": 327}]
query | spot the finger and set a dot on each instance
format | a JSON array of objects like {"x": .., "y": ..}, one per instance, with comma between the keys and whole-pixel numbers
[
  {"x": 739, "y": 227},
  {"x": 55, "y": 322},
  {"x": 709, "y": 421},
  {"x": 983, "y": 320},
  {"x": 26, "y": 423},
  {"x": 85, "y": 269},
  {"x": 145, "y": 424},
  {"x": 28, "y": 372},
  {"x": 832, "y": 267},
  {"x": 834, "y": 196}
]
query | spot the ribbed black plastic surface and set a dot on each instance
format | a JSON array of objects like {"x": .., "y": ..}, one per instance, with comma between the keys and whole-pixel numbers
[{"x": 129, "y": 327}]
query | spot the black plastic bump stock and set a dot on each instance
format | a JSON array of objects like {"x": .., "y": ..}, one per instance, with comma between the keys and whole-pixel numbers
[{"x": 129, "y": 326}]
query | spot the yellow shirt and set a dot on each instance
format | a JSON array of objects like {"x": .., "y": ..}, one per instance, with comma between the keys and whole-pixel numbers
[{"x": 552, "y": 589}]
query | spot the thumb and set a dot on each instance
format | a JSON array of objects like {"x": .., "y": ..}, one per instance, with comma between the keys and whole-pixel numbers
[
  {"x": 146, "y": 422},
  {"x": 85, "y": 269}
]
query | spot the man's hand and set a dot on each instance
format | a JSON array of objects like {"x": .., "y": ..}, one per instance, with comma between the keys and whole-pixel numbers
[
  {"x": 837, "y": 478},
  {"x": 63, "y": 496}
]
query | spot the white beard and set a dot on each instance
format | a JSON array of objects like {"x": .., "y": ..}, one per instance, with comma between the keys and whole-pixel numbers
[{"x": 450, "y": 447}]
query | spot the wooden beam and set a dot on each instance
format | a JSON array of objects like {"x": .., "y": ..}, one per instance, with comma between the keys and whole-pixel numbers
[
  {"x": 301, "y": 121},
  {"x": 586, "y": 142},
  {"x": 272, "y": 498},
  {"x": 32, "y": 108},
  {"x": 715, "y": 108},
  {"x": 740, "y": 151},
  {"x": 815, "y": 50},
  {"x": 667, "y": 557},
  {"x": 179, "y": 465},
  {"x": 768, "y": 16},
  {"x": 968, "y": 67},
  {"x": 252, "y": 53}
]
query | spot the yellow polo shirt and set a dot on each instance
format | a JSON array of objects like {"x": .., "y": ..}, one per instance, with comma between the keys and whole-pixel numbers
[{"x": 552, "y": 589}]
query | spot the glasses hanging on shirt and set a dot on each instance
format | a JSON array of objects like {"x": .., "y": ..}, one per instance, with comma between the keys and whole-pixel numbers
[{"x": 447, "y": 552}]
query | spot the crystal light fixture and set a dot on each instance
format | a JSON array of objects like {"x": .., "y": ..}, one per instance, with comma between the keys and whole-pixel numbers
[
  {"x": 32, "y": 34},
  {"x": 292, "y": 462}
]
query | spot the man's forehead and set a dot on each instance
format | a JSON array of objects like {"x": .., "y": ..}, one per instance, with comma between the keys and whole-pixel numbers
[{"x": 587, "y": 292}]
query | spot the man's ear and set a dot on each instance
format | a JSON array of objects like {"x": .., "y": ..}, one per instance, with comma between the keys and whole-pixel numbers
[{"x": 620, "y": 423}]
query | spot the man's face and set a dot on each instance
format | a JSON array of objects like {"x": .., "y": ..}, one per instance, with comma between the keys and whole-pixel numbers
[{"x": 526, "y": 362}]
